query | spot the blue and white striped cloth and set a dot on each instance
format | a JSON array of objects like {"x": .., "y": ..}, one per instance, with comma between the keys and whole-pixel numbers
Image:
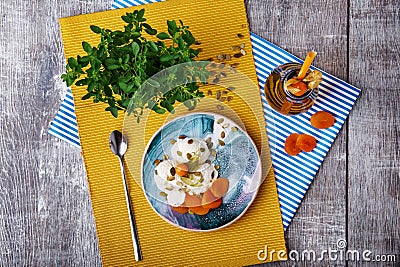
[{"x": 293, "y": 174}]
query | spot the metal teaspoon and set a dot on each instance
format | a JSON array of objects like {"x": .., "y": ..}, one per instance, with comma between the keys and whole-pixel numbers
[{"x": 118, "y": 146}]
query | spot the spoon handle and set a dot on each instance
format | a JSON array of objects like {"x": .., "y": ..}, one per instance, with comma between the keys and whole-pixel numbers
[{"x": 135, "y": 239}]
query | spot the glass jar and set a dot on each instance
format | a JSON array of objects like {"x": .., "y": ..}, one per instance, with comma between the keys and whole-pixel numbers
[{"x": 280, "y": 98}]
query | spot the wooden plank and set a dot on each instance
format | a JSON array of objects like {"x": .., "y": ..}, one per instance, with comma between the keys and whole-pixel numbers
[
  {"x": 45, "y": 211},
  {"x": 374, "y": 172},
  {"x": 301, "y": 26}
]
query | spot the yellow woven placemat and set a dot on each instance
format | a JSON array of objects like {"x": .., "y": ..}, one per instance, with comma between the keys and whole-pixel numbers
[{"x": 216, "y": 24}]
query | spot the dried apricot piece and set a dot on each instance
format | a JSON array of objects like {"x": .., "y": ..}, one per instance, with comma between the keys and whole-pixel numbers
[
  {"x": 181, "y": 169},
  {"x": 199, "y": 210},
  {"x": 301, "y": 86},
  {"x": 322, "y": 119},
  {"x": 213, "y": 205},
  {"x": 306, "y": 142},
  {"x": 192, "y": 201},
  {"x": 220, "y": 187},
  {"x": 180, "y": 209},
  {"x": 208, "y": 197},
  {"x": 210, "y": 201},
  {"x": 290, "y": 145}
]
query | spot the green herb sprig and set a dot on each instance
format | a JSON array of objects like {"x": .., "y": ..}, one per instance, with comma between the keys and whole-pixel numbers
[{"x": 115, "y": 69}]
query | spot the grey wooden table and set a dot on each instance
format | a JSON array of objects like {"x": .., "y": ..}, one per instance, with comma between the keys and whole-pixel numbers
[{"x": 45, "y": 212}]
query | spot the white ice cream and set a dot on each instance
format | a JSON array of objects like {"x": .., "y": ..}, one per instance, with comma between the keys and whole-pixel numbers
[
  {"x": 190, "y": 150},
  {"x": 201, "y": 180},
  {"x": 163, "y": 169},
  {"x": 194, "y": 153}
]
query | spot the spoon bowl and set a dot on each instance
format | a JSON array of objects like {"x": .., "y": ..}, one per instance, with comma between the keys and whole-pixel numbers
[{"x": 118, "y": 143}]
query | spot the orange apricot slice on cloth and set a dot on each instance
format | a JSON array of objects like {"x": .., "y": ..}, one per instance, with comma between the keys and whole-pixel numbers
[
  {"x": 322, "y": 119},
  {"x": 220, "y": 187},
  {"x": 306, "y": 142},
  {"x": 180, "y": 209},
  {"x": 290, "y": 145}
]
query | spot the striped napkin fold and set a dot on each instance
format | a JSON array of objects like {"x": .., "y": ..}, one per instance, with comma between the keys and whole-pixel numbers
[{"x": 293, "y": 174}]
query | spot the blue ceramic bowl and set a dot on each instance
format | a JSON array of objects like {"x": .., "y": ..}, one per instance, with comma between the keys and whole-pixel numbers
[{"x": 238, "y": 159}]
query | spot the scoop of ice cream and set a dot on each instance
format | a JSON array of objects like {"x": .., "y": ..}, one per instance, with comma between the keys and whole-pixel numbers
[
  {"x": 176, "y": 197},
  {"x": 190, "y": 150},
  {"x": 164, "y": 174},
  {"x": 164, "y": 169}
]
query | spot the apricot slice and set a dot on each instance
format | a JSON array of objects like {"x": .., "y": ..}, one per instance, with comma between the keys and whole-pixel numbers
[
  {"x": 210, "y": 201},
  {"x": 322, "y": 119},
  {"x": 192, "y": 201},
  {"x": 208, "y": 197},
  {"x": 220, "y": 187},
  {"x": 199, "y": 210},
  {"x": 290, "y": 145},
  {"x": 301, "y": 86},
  {"x": 181, "y": 169},
  {"x": 213, "y": 205},
  {"x": 180, "y": 209},
  {"x": 306, "y": 142}
]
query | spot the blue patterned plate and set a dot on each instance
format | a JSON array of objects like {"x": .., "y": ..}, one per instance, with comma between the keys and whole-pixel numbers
[{"x": 236, "y": 156}]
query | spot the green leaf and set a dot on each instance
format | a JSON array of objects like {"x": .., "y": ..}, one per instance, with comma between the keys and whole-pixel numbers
[
  {"x": 110, "y": 61},
  {"x": 136, "y": 81},
  {"x": 95, "y": 29},
  {"x": 126, "y": 78},
  {"x": 165, "y": 58},
  {"x": 108, "y": 91},
  {"x": 126, "y": 102},
  {"x": 159, "y": 110},
  {"x": 114, "y": 111},
  {"x": 172, "y": 27},
  {"x": 181, "y": 43},
  {"x": 101, "y": 51},
  {"x": 87, "y": 47},
  {"x": 113, "y": 67},
  {"x": 91, "y": 86},
  {"x": 135, "y": 35},
  {"x": 82, "y": 82},
  {"x": 153, "y": 106},
  {"x": 151, "y": 31},
  {"x": 130, "y": 88},
  {"x": 69, "y": 81},
  {"x": 153, "y": 46},
  {"x": 87, "y": 96},
  {"x": 153, "y": 83},
  {"x": 140, "y": 14},
  {"x": 126, "y": 58},
  {"x": 188, "y": 104},
  {"x": 163, "y": 36},
  {"x": 127, "y": 19},
  {"x": 168, "y": 106},
  {"x": 123, "y": 86},
  {"x": 72, "y": 62},
  {"x": 135, "y": 48},
  {"x": 147, "y": 26},
  {"x": 188, "y": 37}
]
